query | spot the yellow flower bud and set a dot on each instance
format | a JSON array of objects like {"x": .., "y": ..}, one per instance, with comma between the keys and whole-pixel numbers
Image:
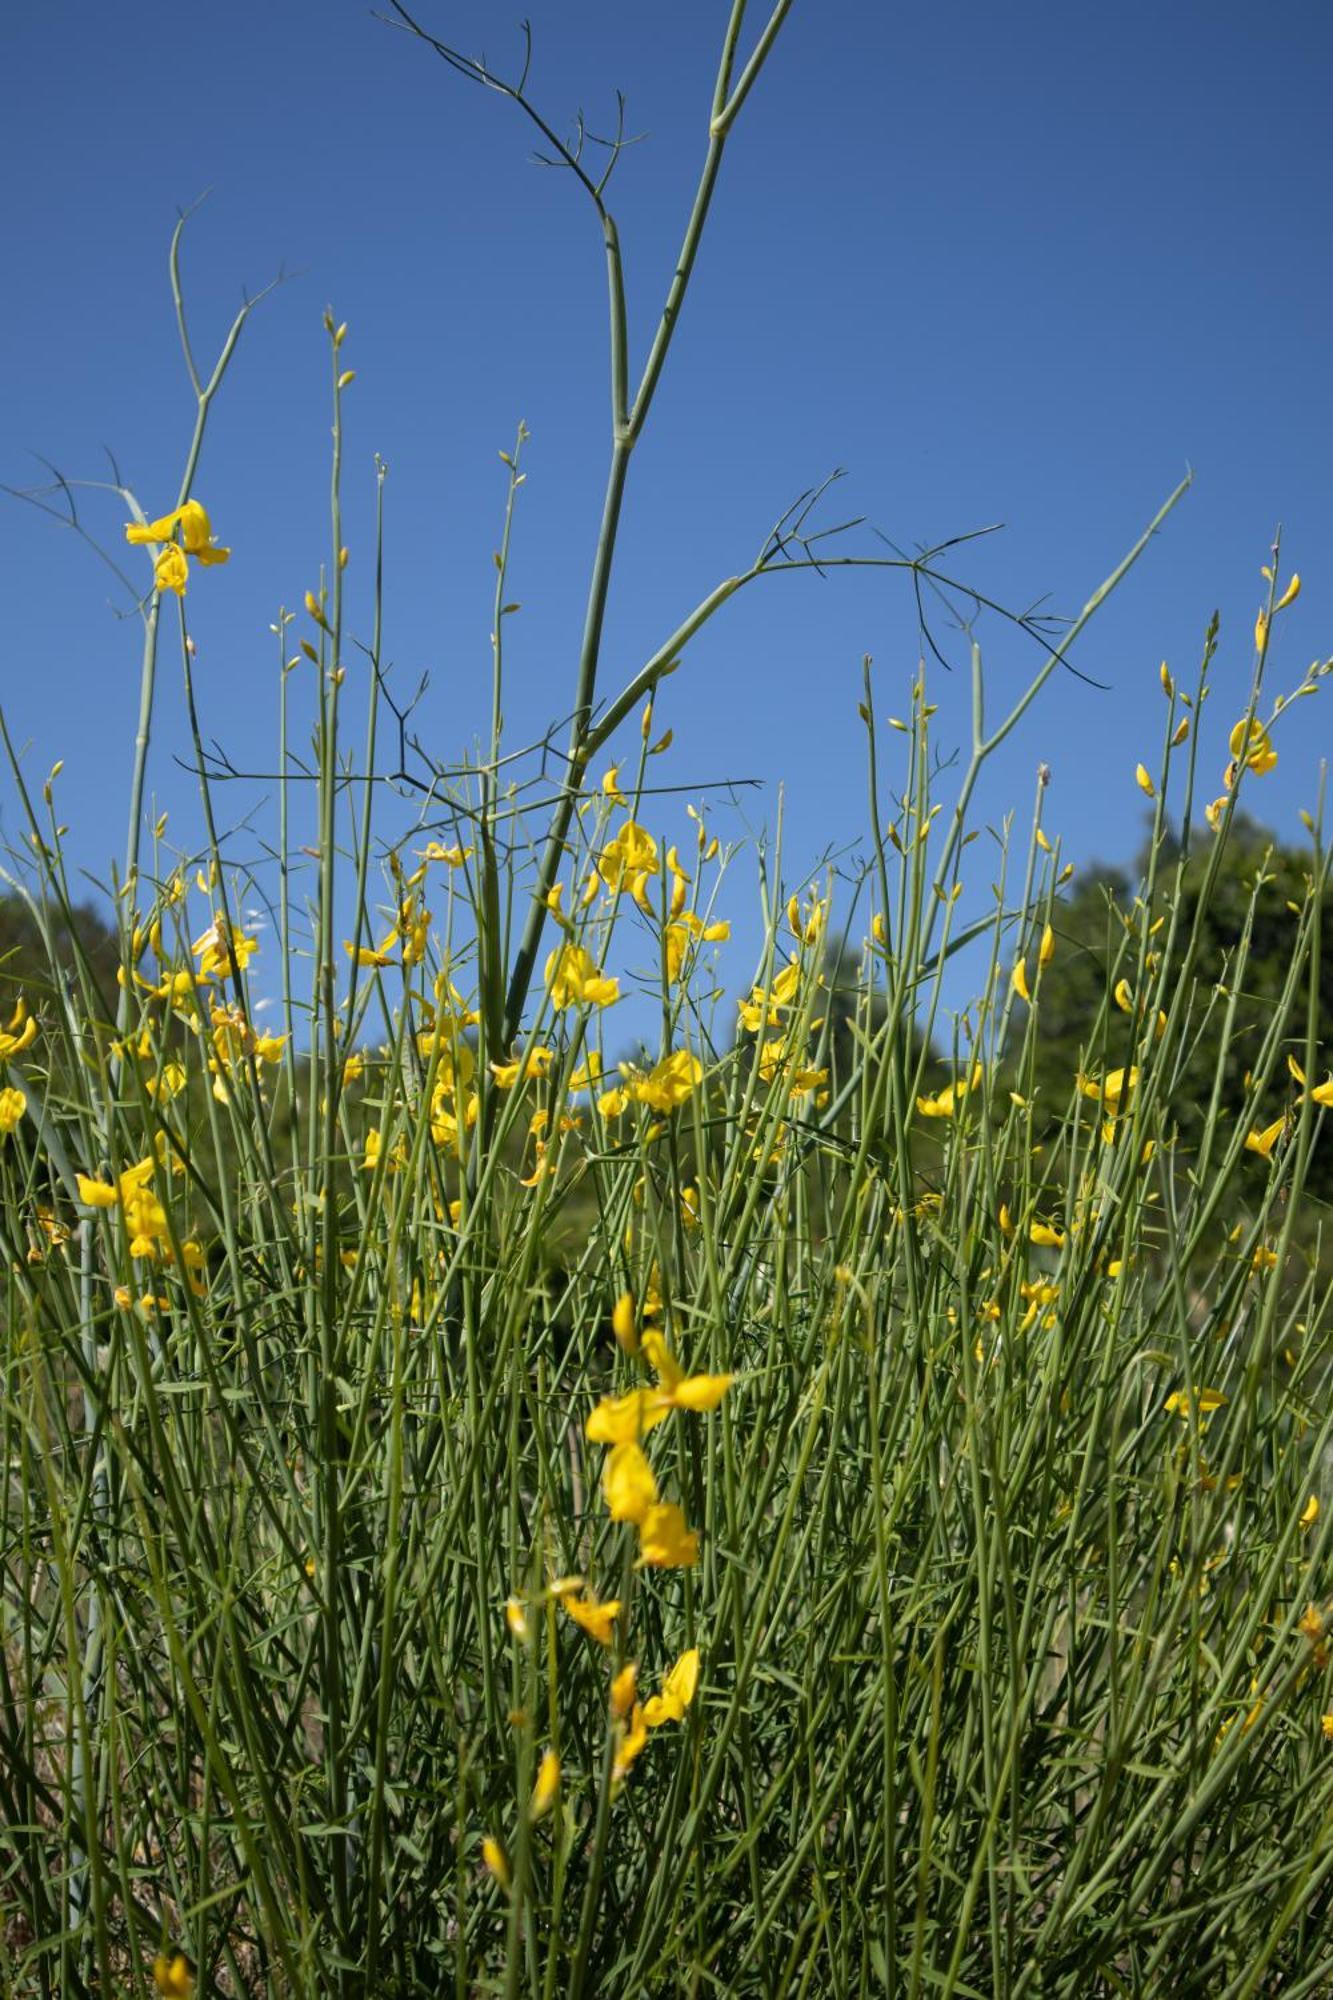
[
  {"x": 547, "y": 1785},
  {"x": 1144, "y": 782},
  {"x": 623, "y": 1324}
]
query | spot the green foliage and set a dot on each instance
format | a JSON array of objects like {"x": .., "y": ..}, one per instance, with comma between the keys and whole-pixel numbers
[
  {"x": 47, "y": 951},
  {"x": 1246, "y": 927},
  {"x": 376, "y": 1392}
]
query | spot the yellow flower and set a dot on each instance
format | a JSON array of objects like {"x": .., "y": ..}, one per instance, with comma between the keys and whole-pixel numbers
[
  {"x": 677, "y": 940},
  {"x": 625, "y": 1419},
  {"x": 146, "y": 1221},
  {"x": 677, "y": 1692},
  {"x": 633, "y": 852},
  {"x": 629, "y": 1743},
  {"x": 946, "y": 1101},
  {"x": 516, "y": 1620},
  {"x": 1046, "y": 949},
  {"x": 167, "y": 1086},
  {"x": 96, "y": 1194},
  {"x": 145, "y": 1218},
  {"x": 494, "y": 1856},
  {"x": 20, "y": 1034},
  {"x": 197, "y": 536},
  {"x": 623, "y": 1689},
  {"x": 535, "y": 1061},
  {"x": 682, "y": 1391},
  {"x": 1045, "y": 1236},
  {"x": 13, "y": 1104},
  {"x": 1263, "y": 1142},
  {"x": 547, "y": 1785},
  {"x": 1144, "y": 782},
  {"x": 222, "y": 949},
  {"x": 1251, "y": 748},
  {"x": 573, "y": 980},
  {"x": 623, "y": 1324},
  {"x": 1310, "y": 1512},
  {"x": 612, "y": 1103},
  {"x": 587, "y": 1072},
  {"x": 761, "y": 1009},
  {"x": 366, "y": 954},
  {"x": 452, "y": 857},
  {"x": 1290, "y": 594},
  {"x": 1181, "y": 1404},
  {"x": 664, "y": 1540},
  {"x": 628, "y": 1485},
  {"x": 173, "y": 1976},
  {"x": 670, "y": 1082},
  {"x": 592, "y": 1616},
  {"x": 374, "y": 1146},
  {"x": 195, "y": 1263},
  {"x": 1018, "y": 983},
  {"x": 1112, "y": 1087},
  {"x": 170, "y": 570}
]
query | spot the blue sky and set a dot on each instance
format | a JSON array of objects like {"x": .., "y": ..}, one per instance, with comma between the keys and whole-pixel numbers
[{"x": 1016, "y": 265}]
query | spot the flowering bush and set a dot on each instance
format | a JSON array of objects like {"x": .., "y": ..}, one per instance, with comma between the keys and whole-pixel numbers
[{"x": 788, "y": 1510}]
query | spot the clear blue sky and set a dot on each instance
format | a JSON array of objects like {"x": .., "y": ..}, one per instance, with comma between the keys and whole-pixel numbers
[{"x": 1016, "y": 264}]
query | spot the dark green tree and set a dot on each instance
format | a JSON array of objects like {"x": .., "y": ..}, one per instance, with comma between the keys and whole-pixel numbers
[
  {"x": 1091, "y": 930},
  {"x": 83, "y": 940}
]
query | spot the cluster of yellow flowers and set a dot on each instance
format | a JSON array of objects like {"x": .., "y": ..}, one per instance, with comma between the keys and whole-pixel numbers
[
  {"x": 411, "y": 928},
  {"x": 1263, "y": 1141},
  {"x": 224, "y": 951},
  {"x": 171, "y": 571},
  {"x": 134, "y": 1194},
  {"x": 631, "y": 1720},
  {"x": 20, "y": 1034},
  {"x": 629, "y": 1485},
  {"x": 630, "y": 1489}
]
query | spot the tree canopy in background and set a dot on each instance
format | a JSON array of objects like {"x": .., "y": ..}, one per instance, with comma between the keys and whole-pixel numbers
[{"x": 1240, "y": 954}]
